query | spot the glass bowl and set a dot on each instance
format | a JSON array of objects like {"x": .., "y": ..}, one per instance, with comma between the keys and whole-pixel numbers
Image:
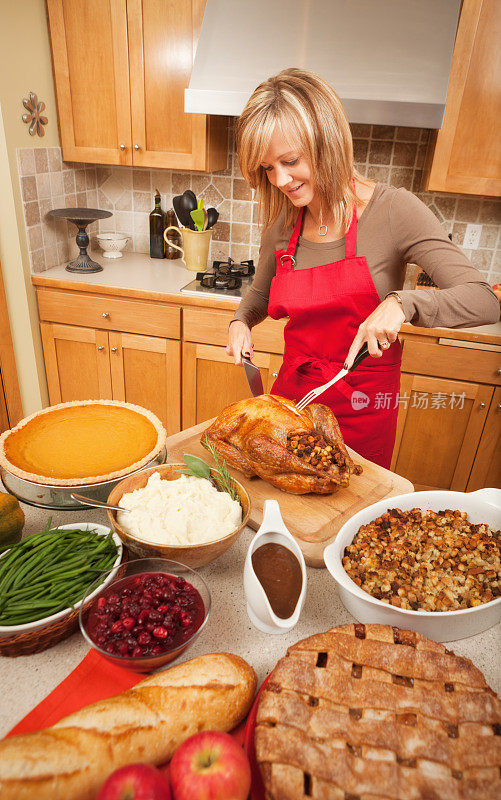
[{"x": 146, "y": 608}]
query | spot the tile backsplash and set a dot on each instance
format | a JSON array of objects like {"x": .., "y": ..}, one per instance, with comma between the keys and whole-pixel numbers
[{"x": 387, "y": 154}]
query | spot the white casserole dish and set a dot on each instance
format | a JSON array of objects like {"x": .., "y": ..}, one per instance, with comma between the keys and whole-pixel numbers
[{"x": 483, "y": 505}]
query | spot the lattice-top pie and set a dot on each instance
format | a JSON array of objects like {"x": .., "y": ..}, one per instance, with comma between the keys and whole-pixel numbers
[
  {"x": 82, "y": 442},
  {"x": 370, "y": 712}
]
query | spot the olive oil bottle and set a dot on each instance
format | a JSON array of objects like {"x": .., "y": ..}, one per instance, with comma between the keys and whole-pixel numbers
[{"x": 157, "y": 225}]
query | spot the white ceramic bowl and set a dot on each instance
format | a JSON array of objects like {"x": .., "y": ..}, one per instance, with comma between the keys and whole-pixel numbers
[
  {"x": 112, "y": 244},
  {"x": 483, "y": 505},
  {"x": 102, "y": 530}
]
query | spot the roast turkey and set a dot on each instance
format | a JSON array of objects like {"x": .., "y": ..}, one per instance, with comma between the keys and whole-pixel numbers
[{"x": 296, "y": 451}]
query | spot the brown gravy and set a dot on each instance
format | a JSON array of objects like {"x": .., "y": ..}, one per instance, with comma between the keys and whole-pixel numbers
[{"x": 279, "y": 573}]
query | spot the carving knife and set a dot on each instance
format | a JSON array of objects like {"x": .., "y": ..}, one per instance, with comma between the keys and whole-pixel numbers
[{"x": 253, "y": 376}]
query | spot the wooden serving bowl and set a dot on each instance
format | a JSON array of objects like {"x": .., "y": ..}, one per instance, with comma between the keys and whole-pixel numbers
[{"x": 193, "y": 555}]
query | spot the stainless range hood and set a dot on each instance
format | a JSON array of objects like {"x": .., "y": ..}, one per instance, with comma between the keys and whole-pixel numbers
[{"x": 388, "y": 60}]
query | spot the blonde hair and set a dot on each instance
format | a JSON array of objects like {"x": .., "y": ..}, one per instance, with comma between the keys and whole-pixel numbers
[{"x": 312, "y": 117}]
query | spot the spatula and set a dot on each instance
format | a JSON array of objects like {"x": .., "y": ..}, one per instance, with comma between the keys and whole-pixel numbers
[{"x": 199, "y": 215}]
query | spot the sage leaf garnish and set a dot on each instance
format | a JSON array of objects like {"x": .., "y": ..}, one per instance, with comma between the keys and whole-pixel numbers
[
  {"x": 223, "y": 478},
  {"x": 196, "y": 467}
]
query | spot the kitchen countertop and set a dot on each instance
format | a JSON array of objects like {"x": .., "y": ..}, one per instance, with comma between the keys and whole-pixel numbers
[
  {"x": 26, "y": 680},
  {"x": 138, "y": 275}
]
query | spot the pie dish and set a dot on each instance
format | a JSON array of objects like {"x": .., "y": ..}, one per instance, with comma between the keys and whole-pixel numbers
[
  {"x": 82, "y": 442},
  {"x": 372, "y": 711}
]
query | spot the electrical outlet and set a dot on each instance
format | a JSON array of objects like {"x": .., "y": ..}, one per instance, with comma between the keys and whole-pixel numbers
[{"x": 472, "y": 237}]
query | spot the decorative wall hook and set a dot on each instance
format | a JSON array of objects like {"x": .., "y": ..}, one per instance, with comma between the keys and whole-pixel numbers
[{"x": 34, "y": 117}]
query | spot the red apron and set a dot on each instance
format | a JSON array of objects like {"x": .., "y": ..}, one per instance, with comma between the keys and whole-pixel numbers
[{"x": 325, "y": 306}]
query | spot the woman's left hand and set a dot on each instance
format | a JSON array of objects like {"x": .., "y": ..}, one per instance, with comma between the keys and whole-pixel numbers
[{"x": 379, "y": 330}]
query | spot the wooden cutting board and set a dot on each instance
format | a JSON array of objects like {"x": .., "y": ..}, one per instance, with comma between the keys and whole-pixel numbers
[{"x": 313, "y": 519}]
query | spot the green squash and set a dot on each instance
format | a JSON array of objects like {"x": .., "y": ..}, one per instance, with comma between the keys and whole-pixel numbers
[{"x": 11, "y": 520}]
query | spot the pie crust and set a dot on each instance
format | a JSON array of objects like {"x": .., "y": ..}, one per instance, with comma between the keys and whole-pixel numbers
[
  {"x": 134, "y": 435},
  {"x": 371, "y": 712}
]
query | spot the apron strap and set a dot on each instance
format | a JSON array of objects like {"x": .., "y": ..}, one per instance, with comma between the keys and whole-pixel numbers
[
  {"x": 291, "y": 247},
  {"x": 350, "y": 239},
  {"x": 286, "y": 258}
]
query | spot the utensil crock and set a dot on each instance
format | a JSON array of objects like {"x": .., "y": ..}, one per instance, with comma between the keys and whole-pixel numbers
[
  {"x": 261, "y": 614},
  {"x": 195, "y": 250}
]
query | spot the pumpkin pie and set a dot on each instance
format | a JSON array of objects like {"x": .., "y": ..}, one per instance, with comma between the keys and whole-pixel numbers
[
  {"x": 372, "y": 712},
  {"x": 82, "y": 442}
]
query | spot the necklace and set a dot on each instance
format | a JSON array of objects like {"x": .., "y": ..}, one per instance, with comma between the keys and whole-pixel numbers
[{"x": 322, "y": 229}]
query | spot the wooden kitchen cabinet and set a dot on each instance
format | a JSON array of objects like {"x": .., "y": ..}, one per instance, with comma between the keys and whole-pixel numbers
[
  {"x": 464, "y": 155},
  {"x": 11, "y": 409},
  {"x": 120, "y": 71},
  {"x": 446, "y": 390},
  {"x": 77, "y": 363},
  {"x": 438, "y": 430},
  {"x": 85, "y": 363},
  {"x": 211, "y": 381},
  {"x": 91, "y": 75},
  {"x": 147, "y": 371},
  {"x": 487, "y": 465}
]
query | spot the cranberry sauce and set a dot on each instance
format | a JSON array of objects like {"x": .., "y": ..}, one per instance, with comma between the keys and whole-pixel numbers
[{"x": 145, "y": 615}]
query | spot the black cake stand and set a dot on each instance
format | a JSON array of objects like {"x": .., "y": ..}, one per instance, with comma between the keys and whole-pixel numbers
[{"x": 81, "y": 217}]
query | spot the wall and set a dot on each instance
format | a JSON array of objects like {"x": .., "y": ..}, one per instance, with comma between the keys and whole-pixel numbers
[
  {"x": 383, "y": 153},
  {"x": 25, "y": 65}
]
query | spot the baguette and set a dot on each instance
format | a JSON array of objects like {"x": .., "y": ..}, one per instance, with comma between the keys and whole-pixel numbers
[{"x": 73, "y": 758}]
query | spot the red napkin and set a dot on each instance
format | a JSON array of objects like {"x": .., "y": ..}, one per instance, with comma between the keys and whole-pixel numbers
[{"x": 93, "y": 679}]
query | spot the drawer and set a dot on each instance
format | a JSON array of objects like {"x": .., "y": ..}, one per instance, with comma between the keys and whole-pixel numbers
[
  {"x": 448, "y": 361},
  {"x": 210, "y": 326},
  {"x": 109, "y": 313}
]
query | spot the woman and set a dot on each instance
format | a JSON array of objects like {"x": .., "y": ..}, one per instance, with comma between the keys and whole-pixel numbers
[{"x": 332, "y": 259}]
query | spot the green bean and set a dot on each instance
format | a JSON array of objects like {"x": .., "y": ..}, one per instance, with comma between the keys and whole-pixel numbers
[{"x": 51, "y": 570}]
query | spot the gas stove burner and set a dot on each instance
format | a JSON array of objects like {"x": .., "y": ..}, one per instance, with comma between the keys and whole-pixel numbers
[
  {"x": 213, "y": 280},
  {"x": 225, "y": 277},
  {"x": 243, "y": 269}
]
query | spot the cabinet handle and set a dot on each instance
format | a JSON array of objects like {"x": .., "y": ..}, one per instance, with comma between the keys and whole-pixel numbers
[
  {"x": 137, "y": 147},
  {"x": 100, "y": 348},
  {"x": 274, "y": 374},
  {"x": 482, "y": 405},
  {"x": 499, "y": 371},
  {"x": 114, "y": 349},
  {"x": 123, "y": 147},
  {"x": 105, "y": 315}
]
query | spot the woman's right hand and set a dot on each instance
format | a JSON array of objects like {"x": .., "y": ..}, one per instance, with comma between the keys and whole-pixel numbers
[{"x": 239, "y": 341}]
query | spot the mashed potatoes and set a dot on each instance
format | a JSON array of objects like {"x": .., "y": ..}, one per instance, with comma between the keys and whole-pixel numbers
[{"x": 188, "y": 510}]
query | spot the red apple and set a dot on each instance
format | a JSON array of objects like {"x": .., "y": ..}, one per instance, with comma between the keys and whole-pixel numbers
[
  {"x": 210, "y": 766},
  {"x": 135, "y": 782}
]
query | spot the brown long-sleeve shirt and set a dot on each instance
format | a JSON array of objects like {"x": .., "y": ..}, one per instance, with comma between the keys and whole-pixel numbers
[{"x": 395, "y": 229}]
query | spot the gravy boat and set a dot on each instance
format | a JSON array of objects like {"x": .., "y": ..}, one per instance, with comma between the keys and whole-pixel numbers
[{"x": 261, "y": 614}]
